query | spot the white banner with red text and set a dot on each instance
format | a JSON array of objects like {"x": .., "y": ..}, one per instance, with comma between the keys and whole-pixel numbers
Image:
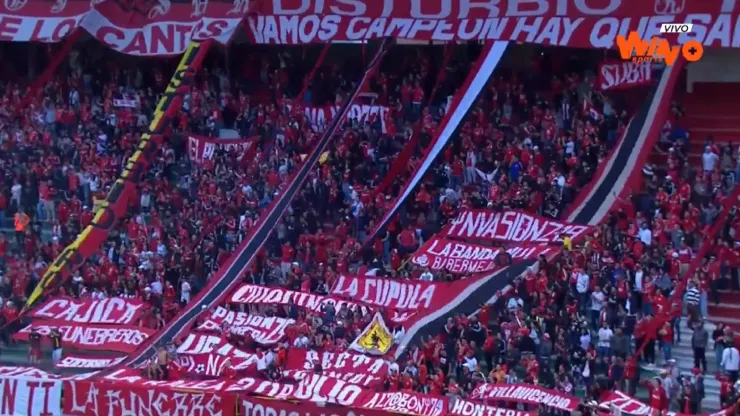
[
  {"x": 123, "y": 338},
  {"x": 619, "y": 75},
  {"x": 467, "y": 258},
  {"x": 201, "y": 149},
  {"x": 511, "y": 226},
  {"x": 264, "y": 330},
  {"x": 106, "y": 311},
  {"x": 162, "y": 27},
  {"x": 525, "y": 393},
  {"x": 126, "y": 102},
  {"x": 256, "y": 295},
  {"x": 81, "y": 361},
  {"x": 30, "y": 396}
]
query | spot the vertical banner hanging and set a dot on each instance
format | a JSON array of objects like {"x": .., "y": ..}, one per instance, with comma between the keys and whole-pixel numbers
[
  {"x": 463, "y": 101},
  {"x": 114, "y": 207}
]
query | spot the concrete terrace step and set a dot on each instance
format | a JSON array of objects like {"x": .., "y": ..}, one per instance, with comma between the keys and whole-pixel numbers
[
  {"x": 712, "y": 130},
  {"x": 733, "y": 322},
  {"x": 684, "y": 356},
  {"x": 722, "y": 123},
  {"x": 729, "y": 297}
]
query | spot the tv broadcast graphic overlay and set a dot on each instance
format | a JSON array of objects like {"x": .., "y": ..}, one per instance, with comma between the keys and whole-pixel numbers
[{"x": 637, "y": 48}]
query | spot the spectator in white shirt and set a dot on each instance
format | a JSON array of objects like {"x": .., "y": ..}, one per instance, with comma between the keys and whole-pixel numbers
[
  {"x": 646, "y": 236},
  {"x": 470, "y": 362},
  {"x": 731, "y": 362},
  {"x": 582, "y": 282},
  {"x": 301, "y": 341},
  {"x": 185, "y": 290},
  {"x": 515, "y": 302},
  {"x": 709, "y": 159},
  {"x": 597, "y": 299},
  {"x": 605, "y": 338},
  {"x": 427, "y": 276},
  {"x": 157, "y": 288}
]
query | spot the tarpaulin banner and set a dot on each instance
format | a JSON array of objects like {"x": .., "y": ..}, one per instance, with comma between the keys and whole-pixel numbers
[
  {"x": 464, "y": 258},
  {"x": 618, "y": 75},
  {"x": 457, "y": 109},
  {"x": 568, "y": 23},
  {"x": 252, "y": 406},
  {"x": 525, "y": 393},
  {"x": 30, "y": 396},
  {"x": 617, "y": 400},
  {"x": 388, "y": 293},
  {"x": 116, "y": 203},
  {"x": 301, "y": 359},
  {"x": 81, "y": 361},
  {"x": 211, "y": 344},
  {"x": 255, "y": 295},
  {"x": 106, "y": 311},
  {"x": 511, "y": 226},
  {"x": 375, "y": 339},
  {"x": 365, "y": 380},
  {"x": 164, "y": 27},
  {"x": 315, "y": 388},
  {"x": 123, "y": 338},
  {"x": 463, "y": 407},
  {"x": 320, "y": 117},
  {"x": 210, "y": 365},
  {"x": 264, "y": 330},
  {"x": 85, "y": 398},
  {"x": 223, "y": 283},
  {"x": 407, "y": 403},
  {"x": 27, "y": 372},
  {"x": 402, "y": 301},
  {"x": 126, "y": 102},
  {"x": 202, "y": 148}
]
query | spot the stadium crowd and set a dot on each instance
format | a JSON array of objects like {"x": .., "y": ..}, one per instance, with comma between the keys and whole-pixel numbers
[{"x": 527, "y": 144}]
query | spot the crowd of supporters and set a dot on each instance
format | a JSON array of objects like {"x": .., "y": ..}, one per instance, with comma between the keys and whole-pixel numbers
[{"x": 571, "y": 323}]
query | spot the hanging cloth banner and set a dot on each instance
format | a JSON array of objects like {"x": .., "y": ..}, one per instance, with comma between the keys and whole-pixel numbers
[
  {"x": 375, "y": 339},
  {"x": 115, "y": 205},
  {"x": 463, "y": 101}
]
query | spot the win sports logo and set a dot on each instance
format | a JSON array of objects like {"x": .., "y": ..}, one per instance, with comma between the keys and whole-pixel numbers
[{"x": 659, "y": 50}]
